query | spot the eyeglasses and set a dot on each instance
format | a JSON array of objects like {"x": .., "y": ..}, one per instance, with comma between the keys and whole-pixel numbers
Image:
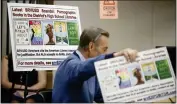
[
  {"x": 100, "y": 33},
  {"x": 97, "y": 37}
]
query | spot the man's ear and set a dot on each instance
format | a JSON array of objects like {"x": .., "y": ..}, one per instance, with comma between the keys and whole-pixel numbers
[{"x": 91, "y": 46}]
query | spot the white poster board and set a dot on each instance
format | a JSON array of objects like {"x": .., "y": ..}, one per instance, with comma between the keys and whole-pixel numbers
[
  {"x": 42, "y": 35},
  {"x": 149, "y": 78}
]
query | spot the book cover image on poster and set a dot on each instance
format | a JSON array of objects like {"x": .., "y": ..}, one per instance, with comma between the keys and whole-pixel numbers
[
  {"x": 150, "y": 72},
  {"x": 163, "y": 69},
  {"x": 123, "y": 78},
  {"x": 136, "y": 75},
  {"x": 73, "y": 33},
  {"x": 21, "y": 32},
  {"x": 60, "y": 33},
  {"x": 109, "y": 82},
  {"x": 47, "y": 30},
  {"x": 35, "y": 32}
]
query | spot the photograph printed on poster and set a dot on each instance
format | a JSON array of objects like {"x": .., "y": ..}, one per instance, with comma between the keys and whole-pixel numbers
[{"x": 47, "y": 30}]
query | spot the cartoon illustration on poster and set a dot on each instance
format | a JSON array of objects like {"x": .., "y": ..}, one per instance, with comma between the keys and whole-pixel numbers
[
  {"x": 123, "y": 78},
  {"x": 35, "y": 32},
  {"x": 61, "y": 33},
  {"x": 150, "y": 72}
]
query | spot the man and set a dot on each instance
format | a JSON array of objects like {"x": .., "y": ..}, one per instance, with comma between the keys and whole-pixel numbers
[{"x": 75, "y": 79}]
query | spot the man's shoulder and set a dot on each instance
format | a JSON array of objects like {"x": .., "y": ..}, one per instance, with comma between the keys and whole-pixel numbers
[
  {"x": 72, "y": 57},
  {"x": 69, "y": 62}
]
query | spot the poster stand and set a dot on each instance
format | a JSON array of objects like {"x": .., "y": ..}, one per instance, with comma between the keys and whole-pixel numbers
[{"x": 26, "y": 84}]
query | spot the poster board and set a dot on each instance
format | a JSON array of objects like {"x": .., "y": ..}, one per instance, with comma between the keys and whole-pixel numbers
[
  {"x": 42, "y": 35},
  {"x": 150, "y": 78}
]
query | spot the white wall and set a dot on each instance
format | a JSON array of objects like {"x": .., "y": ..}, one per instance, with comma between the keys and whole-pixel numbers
[
  {"x": 164, "y": 23},
  {"x": 141, "y": 24}
]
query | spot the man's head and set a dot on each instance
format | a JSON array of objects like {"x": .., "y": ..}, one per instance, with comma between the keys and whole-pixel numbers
[{"x": 94, "y": 41}]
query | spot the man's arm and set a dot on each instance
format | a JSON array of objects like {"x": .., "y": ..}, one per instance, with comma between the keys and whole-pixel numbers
[{"x": 83, "y": 70}]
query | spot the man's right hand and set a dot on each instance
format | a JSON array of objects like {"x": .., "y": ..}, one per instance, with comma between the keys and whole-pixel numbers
[{"x": 129, "y": 54}]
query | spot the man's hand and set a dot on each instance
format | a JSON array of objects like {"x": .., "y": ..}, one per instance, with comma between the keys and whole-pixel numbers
[{"x": 128, "y": 53}]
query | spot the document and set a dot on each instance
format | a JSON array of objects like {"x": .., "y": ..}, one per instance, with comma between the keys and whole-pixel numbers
[
  {"x": 42, "y": 36},
  {"x": 149, "y": 78}
]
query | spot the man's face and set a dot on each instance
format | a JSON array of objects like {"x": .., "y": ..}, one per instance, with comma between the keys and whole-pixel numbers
[{"x": 98, "y": 48}]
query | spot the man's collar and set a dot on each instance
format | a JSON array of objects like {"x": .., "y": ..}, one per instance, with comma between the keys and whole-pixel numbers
[{"x": 80, "y": 55}]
